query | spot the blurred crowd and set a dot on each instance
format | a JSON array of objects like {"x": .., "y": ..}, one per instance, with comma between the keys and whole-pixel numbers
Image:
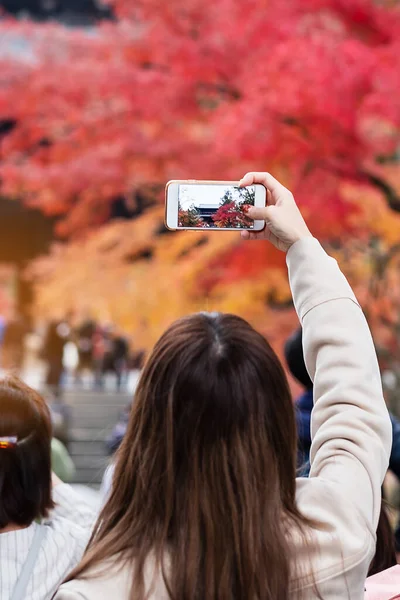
[
  {"x": 99, "y": 349},
  {"x": 70, "y": 346},
  {"x": 81, "y": 352}
]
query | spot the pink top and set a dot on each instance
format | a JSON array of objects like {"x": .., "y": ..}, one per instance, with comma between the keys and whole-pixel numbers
[{"x": 384, "y": 585}]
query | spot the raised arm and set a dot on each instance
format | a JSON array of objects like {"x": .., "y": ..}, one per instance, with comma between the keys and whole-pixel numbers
[{"x": 350, "y": 426}]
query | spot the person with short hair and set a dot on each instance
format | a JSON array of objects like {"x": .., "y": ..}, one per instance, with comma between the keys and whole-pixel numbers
[
  {"x": 205, "y": 504},
  {"x": 44, "y": 524},
  {"x": 304, "y": 403}
]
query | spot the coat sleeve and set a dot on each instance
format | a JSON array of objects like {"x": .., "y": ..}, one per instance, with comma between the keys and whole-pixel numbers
[{"x": 350, "y": 426}]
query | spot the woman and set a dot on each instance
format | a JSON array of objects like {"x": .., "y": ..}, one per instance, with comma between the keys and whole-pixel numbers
[
  {"x": 205, "y": 503},
  {"x": 44, "y": 527}
]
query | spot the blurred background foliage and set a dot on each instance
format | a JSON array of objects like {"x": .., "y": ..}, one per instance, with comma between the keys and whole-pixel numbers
[{"x": 102, "y": 103}]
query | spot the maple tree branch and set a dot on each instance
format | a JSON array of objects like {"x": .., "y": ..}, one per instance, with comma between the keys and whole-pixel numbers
[
  {"x": 222, "y": 90},
  {"x": 7, "y": 125},
  {"x": 392, "y": 198},
  {"x": 381, "y": 263}
]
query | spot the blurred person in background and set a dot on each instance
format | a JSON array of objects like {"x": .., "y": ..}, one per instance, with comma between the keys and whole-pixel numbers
[
  {"x": 84, "y": 341},
  {"x": 61, "y": 418},
  {"x": 304, "y": 403},
  {"x": 205, "y": 503},
  {"x": 121, "y": 358},
  {"x": 100, "y": 343},
  {"x": 113, "y": 443},
  {"x": 387, "y": 542},
  {"x": 114, "y": 440},
  {"x": 61, "y": 462},
  {"x": 13, "y": 344},
  {"x": 2, "y": 331},
  {"x": 137, "y": 360},
  {"x": 116, "y": 356},
  {"x": 44, "y": 524},
  {"x": 57, "y": 335}
]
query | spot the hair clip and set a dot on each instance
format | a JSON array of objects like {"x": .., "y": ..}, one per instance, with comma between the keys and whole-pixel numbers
[{"x": 8, "y": 442}]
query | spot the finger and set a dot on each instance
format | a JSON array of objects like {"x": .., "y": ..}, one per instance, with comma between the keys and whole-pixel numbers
[
  {"x": 256, "y": 236},
  {"x": 258, "y": 213},
  {"x": 266, "y": 179},
  {"x": 248, "y": 235},
  {"x": 246, "y": 180}
]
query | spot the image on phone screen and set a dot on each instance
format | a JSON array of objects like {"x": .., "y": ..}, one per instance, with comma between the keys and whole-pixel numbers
[{"x": 215, "y": 206}]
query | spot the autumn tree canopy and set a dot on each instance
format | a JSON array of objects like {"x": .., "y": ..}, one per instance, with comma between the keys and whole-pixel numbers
[{"x": 307, "y": 89}]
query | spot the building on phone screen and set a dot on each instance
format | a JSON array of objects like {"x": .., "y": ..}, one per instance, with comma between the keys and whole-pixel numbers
[{"x": 206, "y": 212}]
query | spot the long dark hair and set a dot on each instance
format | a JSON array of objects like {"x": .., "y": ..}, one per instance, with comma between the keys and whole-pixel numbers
[
  {"x": 204, "y": 483},
  {"x": 385, "y": 553}
]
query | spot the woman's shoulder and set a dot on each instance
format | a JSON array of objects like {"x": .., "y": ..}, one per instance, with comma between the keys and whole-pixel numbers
[
  {"x": 114, "y": 578},
  {"x": 106, "y": 581},
  {"x": 65, "y": 542},
  {"x": 59, "y": 527},
  {"x": 65, "y": 593}
]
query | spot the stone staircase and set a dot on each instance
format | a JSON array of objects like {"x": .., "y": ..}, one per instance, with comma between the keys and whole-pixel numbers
[{"x": 92, "y": 418}]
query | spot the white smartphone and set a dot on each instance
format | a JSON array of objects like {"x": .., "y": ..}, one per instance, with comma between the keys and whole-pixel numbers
[{"x": 217, "y": 205}]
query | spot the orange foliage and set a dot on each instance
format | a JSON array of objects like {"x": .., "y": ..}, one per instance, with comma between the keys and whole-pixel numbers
[
  {"x": 136, "y": 274},
  {"x": 143, "y": 280}
]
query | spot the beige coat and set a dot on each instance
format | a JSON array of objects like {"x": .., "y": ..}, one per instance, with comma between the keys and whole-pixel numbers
[{"x": 351, "y": 435}]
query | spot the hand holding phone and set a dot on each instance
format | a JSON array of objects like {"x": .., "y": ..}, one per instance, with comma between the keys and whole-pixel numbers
[
  {"x": 284, "y": 223},
  {"x": 213, "y": 205}
]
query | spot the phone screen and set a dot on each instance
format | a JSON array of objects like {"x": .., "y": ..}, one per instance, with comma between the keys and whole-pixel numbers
[{"x": 215, "y": 206}]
